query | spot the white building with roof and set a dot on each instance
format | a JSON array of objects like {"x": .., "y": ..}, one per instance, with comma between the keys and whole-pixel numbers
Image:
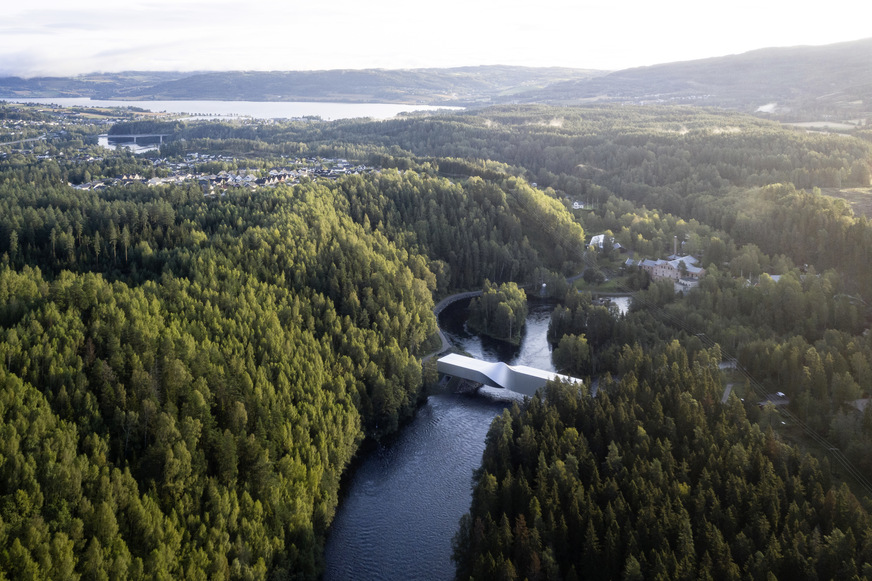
[{"x": 599, "y": 241}]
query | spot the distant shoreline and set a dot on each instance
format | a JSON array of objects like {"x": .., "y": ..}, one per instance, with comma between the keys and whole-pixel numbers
[{"x": 326, "y": 110}]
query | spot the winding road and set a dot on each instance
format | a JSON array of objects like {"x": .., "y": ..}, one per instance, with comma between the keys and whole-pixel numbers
[{"x": 441, "y": 306}]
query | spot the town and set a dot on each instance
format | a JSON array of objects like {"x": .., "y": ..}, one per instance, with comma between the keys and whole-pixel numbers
[
  {"x": 74, "y": 137},
  {"x": 214, "y": 184}
]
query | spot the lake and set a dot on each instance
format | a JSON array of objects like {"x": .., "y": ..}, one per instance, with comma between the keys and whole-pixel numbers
[{"x": 254, "y": 109}]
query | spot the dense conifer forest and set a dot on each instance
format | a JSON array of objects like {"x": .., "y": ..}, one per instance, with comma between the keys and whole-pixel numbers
[
  {"x": 500, "y": 312},
  {"x": 187, "y": 374},
  {"x": 654, "y": 478}
]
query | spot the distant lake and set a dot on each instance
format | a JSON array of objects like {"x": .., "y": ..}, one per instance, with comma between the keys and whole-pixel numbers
[{"x": 255, "y": 109}]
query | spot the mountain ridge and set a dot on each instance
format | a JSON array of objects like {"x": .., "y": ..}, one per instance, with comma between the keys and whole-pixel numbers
[
  {"x": 461, "y": 85},
  {"x": 825, "y": 80},
  {"x": 790, "y": 83}
]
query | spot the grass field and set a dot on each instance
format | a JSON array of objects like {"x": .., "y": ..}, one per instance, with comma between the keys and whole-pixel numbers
[{"x": 859, "y": 198}]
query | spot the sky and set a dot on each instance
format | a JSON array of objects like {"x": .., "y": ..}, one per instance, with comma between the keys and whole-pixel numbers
[{"x": 59, "y": 37}]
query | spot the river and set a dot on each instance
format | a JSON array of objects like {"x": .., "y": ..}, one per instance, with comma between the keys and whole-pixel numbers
[{"x": 402, "y": 505}]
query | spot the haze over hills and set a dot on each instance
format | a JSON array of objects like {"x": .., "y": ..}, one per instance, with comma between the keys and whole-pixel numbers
[
  {"x": 794, "y": 83},
  {"x": 835, "y": 79},
  {"x": 457, "y": 86}
]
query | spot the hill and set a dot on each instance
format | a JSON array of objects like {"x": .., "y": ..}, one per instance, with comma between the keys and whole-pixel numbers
[
  {"x": 793, "y": 83},
  {"x": 802, "y": 83},
  {"x": 457, "y": 86},
  {"x": 93, "y": 85}
]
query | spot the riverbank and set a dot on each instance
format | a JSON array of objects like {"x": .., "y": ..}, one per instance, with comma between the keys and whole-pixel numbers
[
  {"x": 402, "y": 499},
  {"x": 445, "y": 344}
]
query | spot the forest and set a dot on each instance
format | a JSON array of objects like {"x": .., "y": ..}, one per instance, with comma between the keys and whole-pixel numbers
[
  {"x": 500, "y": 312},
  {"x": 654, "y": 479},
  {"x": 185, "y": 378}
]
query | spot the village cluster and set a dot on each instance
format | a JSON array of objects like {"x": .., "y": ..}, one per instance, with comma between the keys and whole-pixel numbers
[
  {"x": 683, "y": 269},
  {"x": 24, "y": 137},
  {"x": 214, "y": 183}
]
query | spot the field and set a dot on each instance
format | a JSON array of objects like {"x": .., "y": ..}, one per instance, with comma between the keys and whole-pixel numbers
[{"x": 859, "y": 198}]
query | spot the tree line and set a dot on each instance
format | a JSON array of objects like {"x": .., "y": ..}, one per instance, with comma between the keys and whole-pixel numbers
[
  {"x": 653, "y": 478},
  {"x": 186, "y": 378},
  {"x": 500, "y": 312}
]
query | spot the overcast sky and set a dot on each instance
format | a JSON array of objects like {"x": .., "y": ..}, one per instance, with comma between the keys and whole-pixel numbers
[{"x": 60, "y": 37}]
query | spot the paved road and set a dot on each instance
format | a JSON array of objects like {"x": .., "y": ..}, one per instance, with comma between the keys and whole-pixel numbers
[{"x": 40, "y": 138}]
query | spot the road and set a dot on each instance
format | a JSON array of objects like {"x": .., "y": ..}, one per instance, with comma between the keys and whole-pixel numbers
[
  {"x": 440, "y": 306},
  {"x": 40, "y": 138}
]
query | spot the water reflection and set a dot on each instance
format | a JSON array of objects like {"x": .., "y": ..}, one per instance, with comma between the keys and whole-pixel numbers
[
  {"x": 534, "y": 351},
  {"x": 114, "y": 142},
  {"x": 404, "y": 501},
  {"x": 255, "y": 109}
]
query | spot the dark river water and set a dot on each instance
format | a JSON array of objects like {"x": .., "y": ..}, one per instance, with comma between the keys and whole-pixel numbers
[{"x": 402, "y": 504}]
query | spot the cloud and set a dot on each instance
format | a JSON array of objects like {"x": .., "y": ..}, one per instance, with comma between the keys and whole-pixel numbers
[{"x": 104, "y": 35}]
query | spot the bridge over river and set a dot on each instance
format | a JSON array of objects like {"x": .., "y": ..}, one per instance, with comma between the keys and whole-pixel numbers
[{"x": 517, "y": 378}]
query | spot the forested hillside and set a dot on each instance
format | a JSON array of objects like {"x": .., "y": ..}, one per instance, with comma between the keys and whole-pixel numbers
[
  {"x": 654, "y": 479},
  {"x": 187, "y": 372},
  {"x": 451, "y": 86},
  {"x": 207, "y": 364},
  {"x": 693, "y": 163},
  {"x": 798, "y": 83},
  {"x": 750, "y": 179},
  {"x": 500, "y": 312},
  {"x": 185, "y": 378}
]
